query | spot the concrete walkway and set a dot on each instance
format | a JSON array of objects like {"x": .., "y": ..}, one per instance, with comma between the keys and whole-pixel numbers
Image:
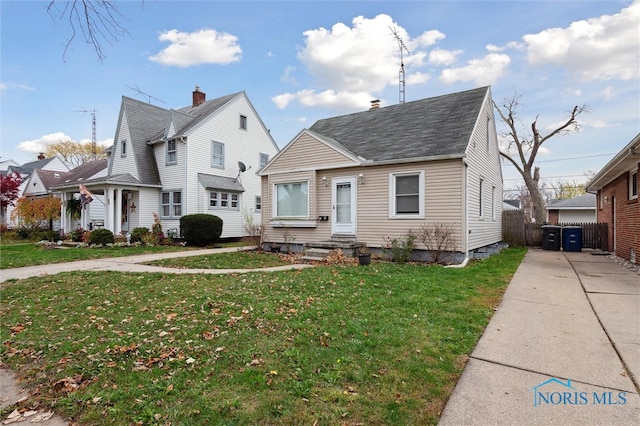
[
  {"x": 562, "y": 348},
  {"x": 135, "y": 264}
]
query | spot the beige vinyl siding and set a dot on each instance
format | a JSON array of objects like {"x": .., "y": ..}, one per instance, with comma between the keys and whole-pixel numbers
[
  {"x": 307, "y": 152},
  {"x": 443, "y": 200},
  {"x": 484, "y": 164}
]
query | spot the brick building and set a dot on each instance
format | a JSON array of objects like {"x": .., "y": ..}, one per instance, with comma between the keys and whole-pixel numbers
[{"x": 616, "y": 188}]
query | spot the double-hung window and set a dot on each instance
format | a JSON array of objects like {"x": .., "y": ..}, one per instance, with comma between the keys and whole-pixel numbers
[
  {"x": 258, "y": 206},
  {"x": 633, "y": 185},
  {"x": 292, "y": 200},
  {"x": 171, "y": 204},
  {"x": 264, "y": 159},
  {"x": 172, "y": 154},
  {"x": 224, "y": 200},
  {"x": 406, "y": 195},
  {"x": 217, "y": 154}
]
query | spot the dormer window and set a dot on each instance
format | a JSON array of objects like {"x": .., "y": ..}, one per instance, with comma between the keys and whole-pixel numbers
[{"x": 172, "y": 154}]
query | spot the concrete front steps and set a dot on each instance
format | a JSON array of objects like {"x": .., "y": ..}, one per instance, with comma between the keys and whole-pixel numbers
[{"x": 318, "y": 251}]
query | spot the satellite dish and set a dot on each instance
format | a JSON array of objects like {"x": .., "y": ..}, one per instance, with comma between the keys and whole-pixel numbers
[{"x": 241, "y": 169}]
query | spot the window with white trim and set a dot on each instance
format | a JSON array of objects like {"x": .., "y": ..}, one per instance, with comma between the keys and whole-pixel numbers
[
  {"x": 264, "y": 159},
  {"x": 633, "y": 184},
  {"x": 171, "y": 204},
  {"x": 123, "y": 148},
  {"x": 406, "y": 195},
  {"x": 291, "y": 200},
  {"x": 258, "y": 204},
  {"x": 224, "y": 200},
  {"x": 217, "y": 154},
  {"x": 243, "y": 122},
  {"x": 172, "y": 154}
]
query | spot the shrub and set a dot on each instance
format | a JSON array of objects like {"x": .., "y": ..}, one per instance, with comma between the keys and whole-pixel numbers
[
  {"x": 76, "y": 235},
  {"x": 101, "y": 236},
  {"x": 23, "y": 233},
  {"x": 400, "y": 248},
  {"x": 440, "y": 241},
  {"x": 200, "y": 229},
  {"x": 138, "y": 233}
]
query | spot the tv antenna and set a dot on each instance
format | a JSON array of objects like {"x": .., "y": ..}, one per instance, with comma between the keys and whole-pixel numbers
[
  {"x": 402, "y": 48},
  {"x": 94, "y": 153},
  {"x": 148, "y": 96}
]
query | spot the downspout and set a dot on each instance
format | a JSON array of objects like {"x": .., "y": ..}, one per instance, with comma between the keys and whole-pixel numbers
[{"x": 465, "y": 208}]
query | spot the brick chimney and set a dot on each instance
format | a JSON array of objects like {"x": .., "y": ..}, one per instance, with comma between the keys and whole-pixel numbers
[
  {"x": 41, "y": 156},
  {"x": 198, "y": 97}
]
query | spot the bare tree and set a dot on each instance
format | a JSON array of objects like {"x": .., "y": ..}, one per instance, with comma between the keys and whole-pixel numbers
[
  {"x": 97, "y": 21},
  {"x": 528, "y": 145}
]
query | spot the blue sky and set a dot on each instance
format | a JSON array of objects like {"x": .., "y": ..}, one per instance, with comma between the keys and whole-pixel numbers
[{"x": 300, "y": 61}]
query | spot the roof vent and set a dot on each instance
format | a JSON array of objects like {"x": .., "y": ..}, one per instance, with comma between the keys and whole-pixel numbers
[{"x": 375, "y": 104}]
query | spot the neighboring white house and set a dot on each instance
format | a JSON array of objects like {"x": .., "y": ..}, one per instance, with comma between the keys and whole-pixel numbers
[
  {"x": 202, "y": 158},
  {"x": 581, "y": 209},
  {"x": 362, "y": 177},
  {"x": 53, "y": 164}
]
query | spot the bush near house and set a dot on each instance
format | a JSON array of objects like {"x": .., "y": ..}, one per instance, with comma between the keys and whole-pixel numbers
[
  {"x": 101, "y": 236},
  {"x": 138, "y": 233},
  {"x": 200, "y": 229}
]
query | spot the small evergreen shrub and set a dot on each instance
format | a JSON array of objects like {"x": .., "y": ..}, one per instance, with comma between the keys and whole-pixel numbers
[
  {"x": 138, "y": 233},
  {"x": 200, "y": 229},
  {"x": 101, "y": 236}
]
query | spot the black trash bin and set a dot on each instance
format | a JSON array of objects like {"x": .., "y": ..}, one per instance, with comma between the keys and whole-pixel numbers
[
  {"x": 572, "y": 238},
  {"x": 551, "y": 238}
]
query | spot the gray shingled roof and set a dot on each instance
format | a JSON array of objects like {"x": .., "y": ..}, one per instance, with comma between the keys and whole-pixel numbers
[
  {"x": 438, "y": 126},
  {"x": 220, "y": 182},
  {"x": 144, "y": 120},
  {"x": 586, "y": 201},
  {"x": 28, "y": 168}
]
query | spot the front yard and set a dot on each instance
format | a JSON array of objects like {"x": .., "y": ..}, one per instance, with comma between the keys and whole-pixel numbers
[{"x": 383, "y": 344}]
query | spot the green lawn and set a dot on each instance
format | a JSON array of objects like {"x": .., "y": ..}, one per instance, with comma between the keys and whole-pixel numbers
[
  {"x": 383, "y": 344},
  {"x": 28, "y": 254},
  {"x": 234, "y": 260}
]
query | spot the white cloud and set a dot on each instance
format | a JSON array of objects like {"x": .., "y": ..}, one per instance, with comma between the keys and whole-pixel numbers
[
  {"x": 327, "y": 98},
  {"x": 482, "y": 71},
  {"x": 352, "y": 62},
  {"x": 595, "y": 49},
  {"x": 608, "y": 93},
  {"x": 443, "y": 57},
  {"x": 40, "y": 144},
  {"x": 288, "y": 76},
  {"x": 205, "y": 46},
  {"x": 3, "y": 86},
  {"x": 283, "y": 100}
]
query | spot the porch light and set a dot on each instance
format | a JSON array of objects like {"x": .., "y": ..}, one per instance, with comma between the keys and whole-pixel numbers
[
  {"x": 361, "y": 178},
  {"x": 325, "y": 181}
]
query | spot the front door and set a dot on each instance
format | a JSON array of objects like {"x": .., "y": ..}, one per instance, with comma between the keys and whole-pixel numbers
[{"x": 343, "y": 209}]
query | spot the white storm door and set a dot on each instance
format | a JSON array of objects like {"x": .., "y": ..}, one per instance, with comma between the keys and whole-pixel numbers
[{"x": 343, "y": 206}]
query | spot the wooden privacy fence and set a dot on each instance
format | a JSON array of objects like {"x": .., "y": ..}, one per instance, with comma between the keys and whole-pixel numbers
[{"x": 516, "y": 232}]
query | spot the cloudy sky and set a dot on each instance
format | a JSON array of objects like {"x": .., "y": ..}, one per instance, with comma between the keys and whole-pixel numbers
[{"x": 300, "y": 61}]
